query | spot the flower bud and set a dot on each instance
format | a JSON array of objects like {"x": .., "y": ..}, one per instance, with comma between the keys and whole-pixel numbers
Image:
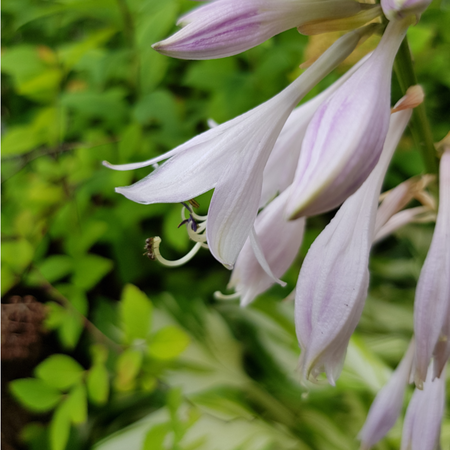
[
  {"x": 334, "y": 278},
  {"x": 345, "y": 137},
  {"x": 227, "y": 27},
  {"x": 398, "y": 9}
]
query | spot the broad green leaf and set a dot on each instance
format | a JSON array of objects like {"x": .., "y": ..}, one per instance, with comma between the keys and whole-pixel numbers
[
  {"x": 97, "y": 383},
  {"x": 99, "y": 354},
  {"x": 77, "y": 404},
  {"x": 70, "y": 330},
  {"x": 136, "y": 313},
  {"x": 168, "y": 343},
  {"x": 72, "y": 53},
  {"x": 128, "y": 367},
  {"x": 60, "y": 371},
  {"x": 56, "y": 267},
  {"x": 17, "y": 254},
  {"x": 60, "y": 427},
  {"x": 55, "y": 315},
  {"x": 154, "y": 439},
  {"x": 22, "y": 62},
  {"x": 20, "y": 139},
  {"x": 34, "y": 394},
  {"x": 89, "y": 270}
]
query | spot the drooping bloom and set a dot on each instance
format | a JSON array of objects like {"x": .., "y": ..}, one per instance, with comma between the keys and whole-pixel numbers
[
  {"x": 334, "y": 278},
  {"x": 280, "y": 168},
  {"x": 398, "y": 9},
  {"x": 280, "y": 242},
  {"x": 388, "y": 403},
  {"x": 345, "y": 137},
  {"x": 422, "y": 426},
  {"x": 230, "y": 159},
  {"x": 432, "y": 302},
  {"x": 227, "y": 27}
]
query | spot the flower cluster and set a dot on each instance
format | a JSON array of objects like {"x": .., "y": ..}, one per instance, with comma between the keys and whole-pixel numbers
[{"x": 278, "y": 164}]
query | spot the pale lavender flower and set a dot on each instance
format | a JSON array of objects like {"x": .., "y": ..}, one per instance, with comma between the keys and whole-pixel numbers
[
  {"x": 345, "y": 137},
  {"x": 226, "y": 27},
  {"x": 334, "y": 278},
  {"x": 280, "y": 168},
  {"x": 388, "y": 403},
  {"x": 230, "y": 159},
  {"x": 422, "y": 426},
  {"x": 280, "y": 242},
  {"x": 431, "y": 307},
  {"x": 398, "y": 9}
]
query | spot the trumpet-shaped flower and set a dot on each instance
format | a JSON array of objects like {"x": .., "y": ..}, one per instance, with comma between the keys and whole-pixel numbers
[
  {"x": 334, "y": 278},
  {"x": 226, "y": 27},
  {"x": 388, "y": 403},
  {"x": 345, "y": 137},
  {"x": 398, "y": 9},
  {"x": 230, "y": 159},
  {"x": 280, "y": 168},
  {"x": 422, "y": 425},
  {"x": 432, "y": 303},
  {"x": 280, "y": 242}
]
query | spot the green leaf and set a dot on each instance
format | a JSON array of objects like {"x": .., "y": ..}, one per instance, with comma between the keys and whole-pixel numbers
[
  {"x": 60, "y": 371},
  {"x": 60, "y": 427},
  {"x": 36, "y": 395},
  {"x": 128, "y": 366},
  {"x": 70, "y": 330},
  {"x": 17, "y": 254},
  {"x": 55, "y": 315},
  {"x": 136, "y": 313},
  {"x": 154, "y": 439},
  {"x": 56, "y": 267},
  {"x": 98, "y": 384},
  {"x": 77, "y": 404},
  {"x": 168, "y": 343},
  {"x": 89, "y": 270}
]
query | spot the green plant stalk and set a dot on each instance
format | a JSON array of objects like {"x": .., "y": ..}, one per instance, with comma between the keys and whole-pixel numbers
[{"x": 419, "y": 125}]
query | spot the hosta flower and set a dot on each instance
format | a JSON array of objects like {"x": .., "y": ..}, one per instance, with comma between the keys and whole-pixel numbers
[
  {"x": 226, "y": 27},
  {"x": 398, "y": 9},
  {"x": 334, "y": 278},
  {"x": 280, "y": 242},
  {"x": 388, "y": 403},
  {"x": 280, "y": 168},
  {"x": 345, "y": 137},
  {"x": 230, "y": 159},
  {"x": 422, "y": 426},
  {"x": 432, "y": 303}
]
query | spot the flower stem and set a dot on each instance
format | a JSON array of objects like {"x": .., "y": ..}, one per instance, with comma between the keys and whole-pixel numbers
[{"x": 420, "y": 127}]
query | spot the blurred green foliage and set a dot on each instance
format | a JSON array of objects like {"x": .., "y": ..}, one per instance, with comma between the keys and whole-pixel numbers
[{"x": 81, "y": 84}]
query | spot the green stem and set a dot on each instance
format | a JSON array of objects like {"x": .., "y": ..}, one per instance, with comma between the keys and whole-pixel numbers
[{"x": 420, "y": 127}]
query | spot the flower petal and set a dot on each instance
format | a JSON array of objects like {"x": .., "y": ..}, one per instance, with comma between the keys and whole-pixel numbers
[
  {"x": 345, "y": 137},
  {"x": 334, "y": 278},
  {"x": 227, "y": 27},
  {"x": 432, "y": 301}
]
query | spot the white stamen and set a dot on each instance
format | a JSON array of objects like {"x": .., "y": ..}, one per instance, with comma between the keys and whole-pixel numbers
[
  {"x": 178, "y": 262},
  {"x": 219, "y": 296}
]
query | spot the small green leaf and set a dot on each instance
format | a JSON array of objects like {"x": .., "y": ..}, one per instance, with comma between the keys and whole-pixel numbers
[
  {"x": 60, "y": 427},
  {"x": 36, "y": 395},
  {"x": 99, "y": 354},
  {"x": 136, "y": 311},
  {"x": 168, "y": 343},
  {"x": 56, "y": 267},
  {"x": 89, "y": 270},
  {"x": 154, "y": 438},
  {"x": 128, "y": 366},
  {"x": 98, "y": 384},
  {"x": 55, "y": 315},
  {"x": 70, "y": 330},
  {"x": 60, "y": 371},
  {"x": 77, "y": 404}
]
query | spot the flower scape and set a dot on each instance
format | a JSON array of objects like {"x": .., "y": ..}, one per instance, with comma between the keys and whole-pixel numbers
[{"x": 278, "y": 164}]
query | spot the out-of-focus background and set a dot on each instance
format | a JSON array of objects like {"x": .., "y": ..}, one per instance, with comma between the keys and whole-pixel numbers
[{"x": 103, "y": 348}]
